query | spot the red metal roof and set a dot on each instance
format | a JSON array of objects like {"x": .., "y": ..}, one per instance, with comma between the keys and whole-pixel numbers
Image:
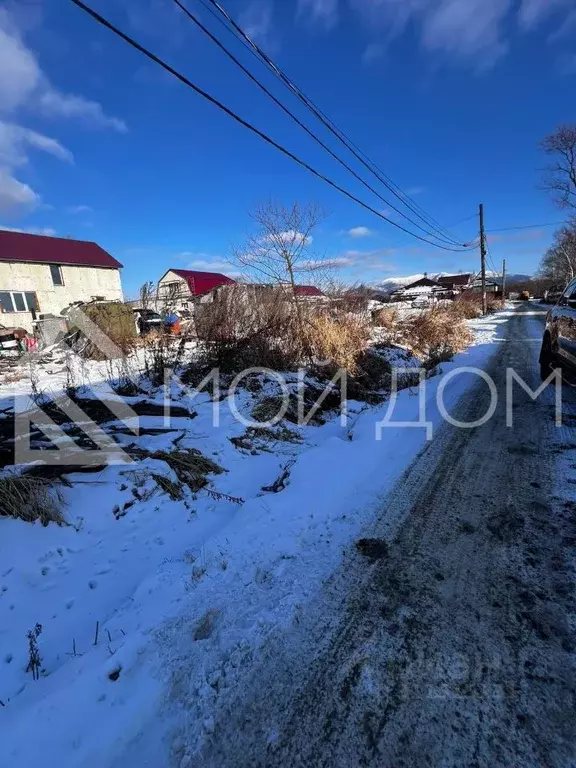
[
  {"x": 202, "y": 282},
  {"x": 308, "y": 290},
  {"x": 41, "y": 249}
]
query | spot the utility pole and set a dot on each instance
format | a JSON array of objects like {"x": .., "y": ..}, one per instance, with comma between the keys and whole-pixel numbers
[
  {"x": 503, "y": 279},
  {"x": 483, "y": 260}
]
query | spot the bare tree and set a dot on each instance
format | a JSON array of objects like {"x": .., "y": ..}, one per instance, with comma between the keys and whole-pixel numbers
[
  {"x": 147, "y": 294},
  {"x": 559, "y": 261},
  {"x": 279, "y": 252},
  {"x": 560, "y": 178}
]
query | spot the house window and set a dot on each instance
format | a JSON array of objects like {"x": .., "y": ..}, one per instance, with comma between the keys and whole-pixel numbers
[
  {"x": 6, "y": 301},
  {"x": 18, "y": 301},
  {"x": 56, "y": 272}
]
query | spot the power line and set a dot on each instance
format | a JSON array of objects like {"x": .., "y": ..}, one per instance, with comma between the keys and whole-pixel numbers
[
  {"x": 319, "y": 141},
  {"x": 529, "y": 226},
  {"x": 104, "y": 22},
  {"x": 348, "y": 143}
]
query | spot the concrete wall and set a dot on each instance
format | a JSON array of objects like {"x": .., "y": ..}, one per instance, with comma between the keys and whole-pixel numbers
[{"x": 80, "y": 284}]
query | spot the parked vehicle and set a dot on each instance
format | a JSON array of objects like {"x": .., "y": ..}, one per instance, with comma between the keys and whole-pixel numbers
[
  {"x": 559, "y": 342},
  {"x": 147, "y": 320},
  {"x": 12, "y": 341}
]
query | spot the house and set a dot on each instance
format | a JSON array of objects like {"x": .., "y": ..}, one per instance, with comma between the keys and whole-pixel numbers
[
  {"x": 41, "y": 275},
  {"x": 456, "y": 283},
  {"x": 179, "y": 288},
  {"x": 425, "y": 287}
]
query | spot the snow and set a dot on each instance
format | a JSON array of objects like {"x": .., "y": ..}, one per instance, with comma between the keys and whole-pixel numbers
[{"x": 185, "y": 592}]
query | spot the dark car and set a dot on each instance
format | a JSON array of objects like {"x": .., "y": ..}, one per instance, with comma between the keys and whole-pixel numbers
[{"x": 559, "y": 342}]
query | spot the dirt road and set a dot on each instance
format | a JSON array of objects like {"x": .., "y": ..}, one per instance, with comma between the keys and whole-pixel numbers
[{"x": 456, "y": 643}]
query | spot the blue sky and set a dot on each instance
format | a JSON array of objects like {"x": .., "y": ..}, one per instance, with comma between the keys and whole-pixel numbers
[{"x": 449, "y": 97}]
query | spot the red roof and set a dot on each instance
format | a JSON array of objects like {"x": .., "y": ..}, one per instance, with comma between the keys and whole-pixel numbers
[
  {"x": 41, "y": 249},
  {"x": 202, "y": 282},
  {"x": 308, "y": 290}
]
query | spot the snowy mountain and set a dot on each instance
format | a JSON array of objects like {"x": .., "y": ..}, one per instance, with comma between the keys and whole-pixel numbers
[{"x": 390, "y": 284}]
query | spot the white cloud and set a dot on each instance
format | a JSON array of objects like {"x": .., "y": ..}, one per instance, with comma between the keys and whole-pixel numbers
[
  {"x": 473, "y": 30},
  {"x": 48, "y": 231},
  {"x": 23, "y": 85},
  {"x": 532, "y": 12},
  {"x": 323, "y": 12},
  {"x": 210, "y": 266},
  {"x": 73, "y": 210},
  {"x": 256, "y": 21},
  {"x": 335, "y": 263},
  {"x": 19, "y": 70},
  {"x": 293, "y": 237},
  {"x": 55, "y": 104},
  {"x": 15, "y": 141},
  {"x": 15, "y": 194},
  {"x": 360, "y": 232}
]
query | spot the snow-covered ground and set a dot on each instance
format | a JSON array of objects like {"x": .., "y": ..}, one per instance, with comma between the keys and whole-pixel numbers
[{"x": 142, "y": 597}]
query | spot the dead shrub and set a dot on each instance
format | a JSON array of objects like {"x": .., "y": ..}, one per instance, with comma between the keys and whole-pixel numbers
[
  {"x": 437, "y": 334},
  {"x": 337, "y": 340},
  {"x": 248, "y": 326},
  {"x": 387, "y": 318},
  {"x": 191, "y": 466},
  {"x": 114, "y": 319},
  {"x": 468, "y": 305},
  {"x": 28, "y": 498},
  {"x": 172, "y": 489},
  {"x": 163, "y": 352}
]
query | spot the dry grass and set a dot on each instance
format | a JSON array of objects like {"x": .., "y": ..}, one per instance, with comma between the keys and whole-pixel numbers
[
  {"x": 437, "y": 334},
  {"x": 337, "y": 341},
  {"x": 172, "y": 489},
  {"x": 30, "y": 498},
  {"x": 191, "y": 466},
  {"x": 244, "y": 327}
]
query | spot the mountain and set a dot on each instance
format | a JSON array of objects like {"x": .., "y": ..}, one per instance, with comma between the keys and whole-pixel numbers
[{"x": 390, "y": 284}]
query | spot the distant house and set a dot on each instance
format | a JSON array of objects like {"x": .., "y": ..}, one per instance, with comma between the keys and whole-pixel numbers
[
  {"x": 182, "y": 288},
  {"x": 425, "y": 287},
  {"x": 41, "y": 275},
  {"x": 456, "y": 283},
  {"x": 179, "y": 288}
]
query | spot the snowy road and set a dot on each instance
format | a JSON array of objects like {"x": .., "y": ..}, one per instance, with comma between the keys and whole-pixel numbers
[{"x": 456, "y": 648}]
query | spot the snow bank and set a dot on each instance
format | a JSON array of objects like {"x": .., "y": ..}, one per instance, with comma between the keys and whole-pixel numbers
[{"x": 185, "y": 592}]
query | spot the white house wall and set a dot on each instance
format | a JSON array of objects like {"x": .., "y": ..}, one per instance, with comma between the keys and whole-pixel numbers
[{"x": 80, "y": 284}]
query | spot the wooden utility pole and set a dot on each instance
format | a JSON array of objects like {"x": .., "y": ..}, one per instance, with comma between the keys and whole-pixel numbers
[
  {"x": 504, "y": 279},
  {"x": 483, "y": 260}
]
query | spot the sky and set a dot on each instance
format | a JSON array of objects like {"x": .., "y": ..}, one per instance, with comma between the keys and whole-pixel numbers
[{"x": 449, "y": 97}]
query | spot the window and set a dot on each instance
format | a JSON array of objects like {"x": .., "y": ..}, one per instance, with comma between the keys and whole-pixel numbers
[
  {"x": 18, "y": 301},
  {"x": 31, "y": 301},
  {"x": 567, "y": 293},
  {"x": 6, "y": 302},
  {"x": 56, "y": 272}
]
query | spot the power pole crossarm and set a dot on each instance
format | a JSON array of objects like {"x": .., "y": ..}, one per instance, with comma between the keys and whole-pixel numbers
[{"x": 483, "y": 260}]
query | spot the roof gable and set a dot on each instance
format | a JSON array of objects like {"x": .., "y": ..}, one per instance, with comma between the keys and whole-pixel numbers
[
  {"x": 202, "y": 282},
  {"x": 461, "y": 279},
  {"x": 424, "y": 281},
  {"x": 307, "y": 290},
  {"x": 41, "y": 249}
]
